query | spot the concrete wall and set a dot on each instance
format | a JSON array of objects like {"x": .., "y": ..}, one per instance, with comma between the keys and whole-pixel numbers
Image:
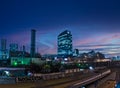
[{"x": 7, "y": 80}]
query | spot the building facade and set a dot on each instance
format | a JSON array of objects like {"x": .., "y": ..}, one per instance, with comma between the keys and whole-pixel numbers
[
  {"x": 13, "y": 47},
  {"x": 75, "y": 52},
  {"x": 3, "y": 44},
  {"x": 65, "y": 43},
  {"x": 4, "y": 53}
]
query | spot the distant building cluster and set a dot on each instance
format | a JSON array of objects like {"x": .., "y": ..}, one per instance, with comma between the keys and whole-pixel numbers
[
  {"x": 64, "y": 50},
  {"x": 18, "y": 55}
]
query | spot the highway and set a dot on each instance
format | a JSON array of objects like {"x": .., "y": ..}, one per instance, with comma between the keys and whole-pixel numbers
[
  {"x": 118, "y": 77},
  {"x": 66, "y": 82},
  {"x": 85, "y": 82},
  {"x": 100, "y": 83},
  {"x": 55, "y": 83},
  {"x": 112, "y": 81},
  {"x": 108, "y": 84},
  {"x": 49, "y": 83}
]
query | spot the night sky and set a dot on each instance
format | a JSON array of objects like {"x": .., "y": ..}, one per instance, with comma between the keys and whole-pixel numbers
[{"x": 95, "y": 24}]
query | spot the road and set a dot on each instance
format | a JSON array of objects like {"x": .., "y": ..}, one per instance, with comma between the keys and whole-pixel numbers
[
  {"x": 118, "y": 78},
  {"x": 56, "y": 83},
  {"x": 112, "y": 83},
  {"x": 99, "y": 83}
]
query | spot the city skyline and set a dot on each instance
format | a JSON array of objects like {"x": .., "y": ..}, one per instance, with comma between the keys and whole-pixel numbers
[{"x": 93, "y": 24}]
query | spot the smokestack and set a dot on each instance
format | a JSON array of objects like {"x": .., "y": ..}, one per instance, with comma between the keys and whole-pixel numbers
[
  {"x": 32, "y": 50},
  {"x": 23, "y": 48},
  {"x": 23, "y": 52}
]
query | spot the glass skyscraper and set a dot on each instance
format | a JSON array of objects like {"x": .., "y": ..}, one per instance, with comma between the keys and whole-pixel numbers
[{"x": 65, "y": 43}]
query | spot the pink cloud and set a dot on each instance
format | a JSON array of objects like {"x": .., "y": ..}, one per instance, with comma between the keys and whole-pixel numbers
[
  {"x": 106, "y": 39},
  {"x": 23, "y": 38},
  {"x": 110, "y": 38}
]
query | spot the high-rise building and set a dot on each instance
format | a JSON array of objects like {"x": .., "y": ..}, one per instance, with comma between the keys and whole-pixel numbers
[
  {"x": 65, "y": 43},
  {"x": 4, "y": 54},
  {"x": 75, "y": 52},
  {"x": 3, "y": 44},
  {"x": 33, "y": 38},
  {"x": 13, "y": 47}
]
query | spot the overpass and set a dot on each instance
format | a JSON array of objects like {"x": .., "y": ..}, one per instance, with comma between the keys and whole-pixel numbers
[{"x": 90, "y": 80}]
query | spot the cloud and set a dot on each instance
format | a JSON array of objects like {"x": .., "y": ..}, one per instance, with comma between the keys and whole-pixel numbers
[
  {"x": 46, "y": 40},
  {"x": 107, "y": 44}
]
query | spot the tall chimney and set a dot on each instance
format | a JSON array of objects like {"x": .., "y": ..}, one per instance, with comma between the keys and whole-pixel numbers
[
  {"x": 23, "y": 51},
  {"x": 32, "y": 50}
]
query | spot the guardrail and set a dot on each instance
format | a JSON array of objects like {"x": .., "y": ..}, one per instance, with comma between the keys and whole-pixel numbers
[
  {"x": 27, "y": 79},
  {"x": 90, "y": 80},
  {"x": 37, "y": 77}
]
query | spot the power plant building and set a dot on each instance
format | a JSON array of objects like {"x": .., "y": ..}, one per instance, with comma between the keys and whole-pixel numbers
[
  {"x": 13, "y": 47},
  {"x": 65, "y": 43}
]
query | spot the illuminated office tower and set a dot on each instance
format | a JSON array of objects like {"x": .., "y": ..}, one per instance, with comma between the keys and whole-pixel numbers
[{"x": 65, "y": 43}]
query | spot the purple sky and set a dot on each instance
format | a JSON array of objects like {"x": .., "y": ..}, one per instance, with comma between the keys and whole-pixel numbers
[{"x": 95, "y": 24}]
